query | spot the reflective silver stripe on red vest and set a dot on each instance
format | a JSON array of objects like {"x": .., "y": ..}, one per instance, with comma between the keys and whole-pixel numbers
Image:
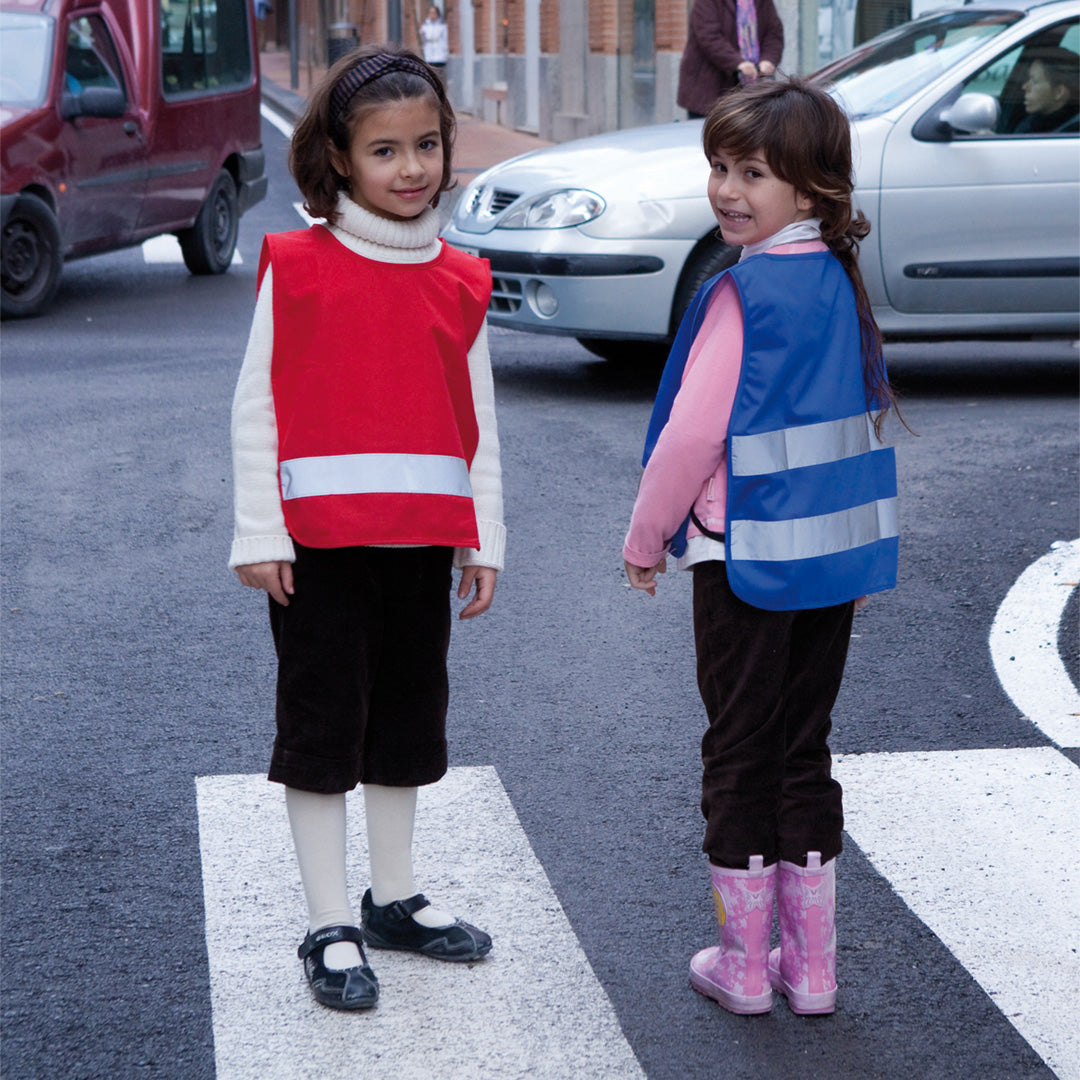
[
  {"x": 362, "y": 474},
  {"x": 810, "y": 444},
  {"x": 813, "y": 537}
]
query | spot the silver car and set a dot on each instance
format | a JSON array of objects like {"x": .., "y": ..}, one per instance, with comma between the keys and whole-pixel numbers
[{"x": 976, "y": 218}]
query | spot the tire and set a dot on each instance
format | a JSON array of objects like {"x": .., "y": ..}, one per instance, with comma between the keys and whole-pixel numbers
[
  {"x": 209, "y": 244},
  {"x": 624, "y": 349},
  {"x": 30, "y": 259},
  {"x": 706, "y": 260}
]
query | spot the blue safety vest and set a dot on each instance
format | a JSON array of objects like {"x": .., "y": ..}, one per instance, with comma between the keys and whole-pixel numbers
[{"x": 811, "y": 500}]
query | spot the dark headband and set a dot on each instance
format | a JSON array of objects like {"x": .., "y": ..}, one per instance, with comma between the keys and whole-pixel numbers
[{"x": 374, "y": 67}]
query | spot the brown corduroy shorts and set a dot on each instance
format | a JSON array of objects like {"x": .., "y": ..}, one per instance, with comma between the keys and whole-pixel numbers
[{"x": 362, "y": 687}]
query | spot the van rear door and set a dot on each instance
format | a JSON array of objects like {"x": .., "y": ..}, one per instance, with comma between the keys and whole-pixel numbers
[{"x": 207, "y": 115}]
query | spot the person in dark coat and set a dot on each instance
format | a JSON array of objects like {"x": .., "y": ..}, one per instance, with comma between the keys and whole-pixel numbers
[{"x": 729, "y": 41}]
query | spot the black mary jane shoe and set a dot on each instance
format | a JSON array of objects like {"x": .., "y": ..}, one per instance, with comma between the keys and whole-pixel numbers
[
  {"x": 392, "y": 926},
  {"x": 351, "y": 988}
]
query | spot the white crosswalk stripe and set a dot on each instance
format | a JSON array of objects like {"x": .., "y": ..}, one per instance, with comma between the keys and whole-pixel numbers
[
  {"x": 982, "y": 846},
  {"x": 166, "y": 249},
  {"x": 533, "y": 1009}
]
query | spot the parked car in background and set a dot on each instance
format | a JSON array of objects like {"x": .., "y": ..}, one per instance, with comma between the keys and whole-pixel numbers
[
  {"x": 121, "y": 120},
  {"x": 975, "y": 219}
]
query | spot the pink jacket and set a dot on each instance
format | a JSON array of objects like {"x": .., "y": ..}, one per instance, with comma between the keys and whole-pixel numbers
[{"x": 688, "y": 467}]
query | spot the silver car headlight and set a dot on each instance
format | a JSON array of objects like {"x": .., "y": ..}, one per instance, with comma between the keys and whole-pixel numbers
[{"x": 555, "y": 210}]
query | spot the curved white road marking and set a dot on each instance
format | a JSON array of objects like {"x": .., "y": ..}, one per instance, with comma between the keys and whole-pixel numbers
[{"x": 1024, "y": 644}]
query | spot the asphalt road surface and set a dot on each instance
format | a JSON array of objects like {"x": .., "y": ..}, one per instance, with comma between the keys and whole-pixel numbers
[{"x": 151, "y": 907}]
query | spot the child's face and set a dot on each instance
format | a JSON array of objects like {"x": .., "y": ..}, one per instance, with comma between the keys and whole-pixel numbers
[
  {"x": 395, "y": 159},
  {"x": 750, "y": 202}
]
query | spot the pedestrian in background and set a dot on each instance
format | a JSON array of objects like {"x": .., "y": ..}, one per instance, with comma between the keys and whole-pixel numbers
[
  {"x": 366, "y": 463},
  {"x": 436, "y": 41},
  {"x": 728, "y": 42},
  {"x": 764, "y": 462}
]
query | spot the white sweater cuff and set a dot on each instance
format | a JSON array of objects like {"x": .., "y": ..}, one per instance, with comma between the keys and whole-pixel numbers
[
  {"x": 256, "y": 549},
  {"x": 492, "y": 547}
]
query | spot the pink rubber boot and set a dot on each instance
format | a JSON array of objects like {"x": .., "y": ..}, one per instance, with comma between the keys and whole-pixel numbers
[
  {"x": 803, "y": 969},
  {"x": 735, "y": 972}
]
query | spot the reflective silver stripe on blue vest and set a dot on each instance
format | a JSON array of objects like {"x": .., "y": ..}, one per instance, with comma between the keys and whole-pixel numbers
[
  {"x": 363, "y": 474},
  {"x": 811, "y": 444},
  {"x": 812, "y": 537}
]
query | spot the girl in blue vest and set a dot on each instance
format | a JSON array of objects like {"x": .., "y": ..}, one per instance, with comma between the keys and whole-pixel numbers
[
  {"x": 366, "y": 464},
  {"x": 765, "y": 473}
]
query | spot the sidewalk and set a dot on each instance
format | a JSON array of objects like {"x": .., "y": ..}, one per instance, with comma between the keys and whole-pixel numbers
[{"x": 477, "y": 147}]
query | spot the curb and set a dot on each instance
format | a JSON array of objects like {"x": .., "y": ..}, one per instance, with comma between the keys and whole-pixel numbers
[{"x": 287, "y": 102}]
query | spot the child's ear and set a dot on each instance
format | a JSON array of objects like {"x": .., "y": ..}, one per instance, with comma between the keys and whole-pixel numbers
[
  {"x": 803, "y": 201},
  {"x": 339, "y": 161}
]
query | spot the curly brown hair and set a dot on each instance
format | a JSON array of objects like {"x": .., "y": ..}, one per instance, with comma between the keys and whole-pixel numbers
[
  {"x": 806, "y": 140},
  {"x": 324, "y": 127}
]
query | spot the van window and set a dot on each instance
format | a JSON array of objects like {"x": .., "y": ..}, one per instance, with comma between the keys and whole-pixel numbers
[
  {"x": 91, "y": 56},
  {"x": 205, "y": 46},
  {"x": 25, "y": 58}
]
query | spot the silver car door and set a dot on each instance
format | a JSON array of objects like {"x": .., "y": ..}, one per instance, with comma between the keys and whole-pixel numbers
[{"x": 987, "y": 222}]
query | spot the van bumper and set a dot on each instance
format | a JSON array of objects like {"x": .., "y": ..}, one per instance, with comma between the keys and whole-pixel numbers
[{"x": 251, "y": 180}]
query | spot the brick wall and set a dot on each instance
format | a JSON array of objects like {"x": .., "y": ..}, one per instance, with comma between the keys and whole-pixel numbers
[
  {"x": 603, "y": 27},
  {"x": 549, "y": 25},
  {"x": 671, "y": 25}
]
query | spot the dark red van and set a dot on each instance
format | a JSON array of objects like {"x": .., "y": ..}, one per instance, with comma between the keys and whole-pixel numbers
[{"x": 121, "y": 120}]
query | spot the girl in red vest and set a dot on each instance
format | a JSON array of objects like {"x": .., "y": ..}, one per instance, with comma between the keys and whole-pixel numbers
[{"x": 366, "y": 464}]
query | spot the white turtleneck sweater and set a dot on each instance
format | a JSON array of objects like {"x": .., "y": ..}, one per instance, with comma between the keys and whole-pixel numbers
[{"x": 260, "y": 533}]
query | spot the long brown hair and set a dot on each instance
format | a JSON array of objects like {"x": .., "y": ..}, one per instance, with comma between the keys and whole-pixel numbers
[
  {"x": 806, "y": 140},
  {"x": 325, "y": 125}
]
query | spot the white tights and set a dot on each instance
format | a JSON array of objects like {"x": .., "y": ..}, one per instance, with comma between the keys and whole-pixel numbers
[{"x": 318, "y": 830}]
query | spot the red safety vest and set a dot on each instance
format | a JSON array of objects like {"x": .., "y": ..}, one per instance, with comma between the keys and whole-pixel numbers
[{"x": 370, "y": 377}]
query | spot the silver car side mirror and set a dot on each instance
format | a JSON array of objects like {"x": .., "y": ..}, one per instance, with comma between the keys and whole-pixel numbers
[{"x": 973, "y": 114}]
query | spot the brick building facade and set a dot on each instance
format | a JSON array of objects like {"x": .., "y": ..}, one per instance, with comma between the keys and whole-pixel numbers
[{"x": 560, "y": 68}]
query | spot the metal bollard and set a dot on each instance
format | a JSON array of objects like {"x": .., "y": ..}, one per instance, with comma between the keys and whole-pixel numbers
[{"x": 341, "y": 39}]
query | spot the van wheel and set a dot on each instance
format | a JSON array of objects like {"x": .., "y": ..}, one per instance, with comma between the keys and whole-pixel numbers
[
  {"x": 209, "y": 244},
  {"x": 30, "y": 259}
]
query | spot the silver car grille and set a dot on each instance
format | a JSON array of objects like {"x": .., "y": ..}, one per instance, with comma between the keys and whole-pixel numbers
[
  {"x": 486, "y": 203},
  {"x": 505, "y": 296}
]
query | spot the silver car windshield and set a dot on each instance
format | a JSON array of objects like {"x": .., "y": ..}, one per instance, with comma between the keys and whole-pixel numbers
[
  {"x": 25, "y": 58},
  {"x": 890, "y": 68}
]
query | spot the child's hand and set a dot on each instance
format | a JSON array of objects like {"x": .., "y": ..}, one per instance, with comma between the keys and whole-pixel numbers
[
  {"x": 484, "y": 579},
  {"x": 275, "y": 578},
  {"x": 644, "y": 577}
]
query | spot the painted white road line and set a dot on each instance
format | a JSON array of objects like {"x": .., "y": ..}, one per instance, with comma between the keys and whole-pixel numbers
[
  {"x": 307, "y": 218},
  {"x": 166, "y": 249},
  {"x": 983, "y": 846},
  {"x": 1024, "y": 644},
  {"x": 277, "y": 120},
  {"x": 533, "y": 1009}
]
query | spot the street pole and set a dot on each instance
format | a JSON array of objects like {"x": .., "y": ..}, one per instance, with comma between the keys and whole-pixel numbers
[{"x": 294, "y": 42}]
